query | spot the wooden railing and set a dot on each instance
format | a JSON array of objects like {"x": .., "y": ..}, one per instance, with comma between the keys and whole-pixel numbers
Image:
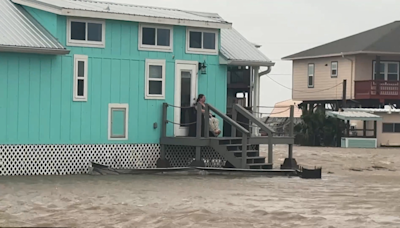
[{"x": 377, "y": 89}]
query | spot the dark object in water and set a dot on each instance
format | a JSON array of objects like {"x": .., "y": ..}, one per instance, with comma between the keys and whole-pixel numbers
[
  {"x": 305, "y": 173},
  {"x": 106, "y": 170}
]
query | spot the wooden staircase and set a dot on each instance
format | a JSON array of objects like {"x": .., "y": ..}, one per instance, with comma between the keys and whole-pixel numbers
[{"x": 231, "y": 150}]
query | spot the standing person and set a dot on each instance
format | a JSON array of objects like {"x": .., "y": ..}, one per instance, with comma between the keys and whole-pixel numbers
[{"x": 213, "y": 122}]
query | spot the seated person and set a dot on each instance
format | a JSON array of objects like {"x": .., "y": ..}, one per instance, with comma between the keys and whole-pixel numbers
[{"x": 213, "y": 122}]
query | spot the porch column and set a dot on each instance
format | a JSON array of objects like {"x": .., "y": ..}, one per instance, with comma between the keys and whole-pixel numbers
[
  {"x": 256, "y": 98},
  {"x": 377, "y": 72}
]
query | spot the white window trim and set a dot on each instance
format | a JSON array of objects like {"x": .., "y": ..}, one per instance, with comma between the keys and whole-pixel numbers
[
  {"x": 85, "y": 59},
  {"x": 84, "y": 43},
  {"x": 158, "y": 62},
  {"x": 333, "y": 67},
  {"x": 201, "y": 50},
  {"x": 118, "y": 106},
  {"x": 310, "y": 74},
  {"x": 386, "y": 72},
  {"x": 143, "y": 47}
]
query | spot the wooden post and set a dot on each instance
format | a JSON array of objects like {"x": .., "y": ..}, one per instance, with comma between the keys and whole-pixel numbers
[
  {"x": 348, "y": 128},
  {"x": 198, "y": 131},
  {"x": 291, "y": 130},
  {"x": 206, "y": 122},
  {"x": 344, "y": 96},
  {"x": 270, "y": 149},
  {"x": 234, "y": 118},
  {"x": 163, "y": 129},
  {"x": 365, "y": 128},
  {"x": 375, "y": 129},
  {"x": 244, "y": 151},
  {"x": 377, "y": 74}
]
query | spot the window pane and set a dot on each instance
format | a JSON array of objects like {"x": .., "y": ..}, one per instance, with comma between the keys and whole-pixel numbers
[
  {"x": 392, "y": 68},
  {"x": 334, "y": 65},
  {"x": 392, "y": 77},
  {"x": 95, "y": 32},
  {"x": 78, "y": 30},
  {"x": 195, "y": 39},
  {"x": 81, "y": 69},
  {"x": 163, "y": 36},
  {"x": 155, "y": 87},
  {"x": 334, "y": 72},
  {"x": 155, "y": 71},
  {"x": 80, "y": 89},
  {"x": 149, "y": 36},
  {"x": 185, "y": 96},
  {"x": 397, "y": 128},
  {"x": 118, "y": 123},
  {"x": 310, "y": 69},
  {"x": 310, "y": 81},
  {"x": 209, "y": 41},
  {"x": 387, "y": 127}
]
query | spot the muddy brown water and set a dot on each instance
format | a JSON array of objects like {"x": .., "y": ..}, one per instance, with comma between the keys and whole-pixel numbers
[{"x": 368, "y": 197}]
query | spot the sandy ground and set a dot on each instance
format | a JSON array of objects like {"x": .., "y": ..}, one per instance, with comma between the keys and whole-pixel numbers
[{"x": 360, "y": 188}]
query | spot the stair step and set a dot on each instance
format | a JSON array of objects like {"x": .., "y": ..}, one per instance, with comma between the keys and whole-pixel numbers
[
  {"x": 230, "y": 141},
  {"x": 250, "y": 153},
  {"x": 260, "y": 166},
  {"x": 232, "y": 147},
  {"x": 255, "y": 160}
]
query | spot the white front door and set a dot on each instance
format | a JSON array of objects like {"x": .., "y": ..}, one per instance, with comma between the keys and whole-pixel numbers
[{"x": 185, "y": 95}]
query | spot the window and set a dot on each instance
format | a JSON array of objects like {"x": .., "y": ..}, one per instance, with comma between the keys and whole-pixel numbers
[
  {"x": 155, "y": 79},
  {"x": 334, "y": 69},
  {"x": 155, "y": 37},
  {"x": 202, "y": 41},
  {"x": 310, "y": 79},
  {"x": 80, "y": 77},
  {"x": 389, "y": 71},
  {"x": 118, "y": 121},
  {"x": 391, "y": 127},
  {"x": 85, "y": 33}
]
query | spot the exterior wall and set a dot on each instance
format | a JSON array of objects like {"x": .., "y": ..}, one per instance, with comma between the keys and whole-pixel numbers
[
  {"x": 37, "y": 89},
  {"x": 364, "y": 65},
  {"x": 322, "y": 79}
]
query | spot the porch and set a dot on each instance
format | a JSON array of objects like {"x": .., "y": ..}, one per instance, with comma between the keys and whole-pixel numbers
[
  {"x": 225, "y": 152},
  {"x": 377, "y": 89}
]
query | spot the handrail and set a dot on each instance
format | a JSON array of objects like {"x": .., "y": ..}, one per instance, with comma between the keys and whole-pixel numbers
[
  {"x": 253, "y": 119},
  {"x": 229, "y": 120}
]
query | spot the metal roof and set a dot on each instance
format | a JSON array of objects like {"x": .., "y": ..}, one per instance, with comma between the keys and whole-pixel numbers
[
  {"x": 20, "y": 32},
  {"x": 372, "y": 110},
  {"x": 238, "y": 50},
  {"x": 383, "y": 39},
  {"x": 128, "y": 12},
  {"x": 353, "y": 115}
]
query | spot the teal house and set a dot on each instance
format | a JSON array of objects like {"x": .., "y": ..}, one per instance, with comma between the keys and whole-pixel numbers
[{"x": 85, "y": 81}]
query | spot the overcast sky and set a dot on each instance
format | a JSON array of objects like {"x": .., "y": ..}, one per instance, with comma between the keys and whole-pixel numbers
[{"x": 284, "y": 27}]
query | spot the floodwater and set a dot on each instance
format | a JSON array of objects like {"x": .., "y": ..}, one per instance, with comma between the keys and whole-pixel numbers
[{"x": 362, "y": 189}]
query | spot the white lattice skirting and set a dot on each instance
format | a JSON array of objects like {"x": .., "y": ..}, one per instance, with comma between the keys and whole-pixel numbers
[{"x": 74, "y": 159}]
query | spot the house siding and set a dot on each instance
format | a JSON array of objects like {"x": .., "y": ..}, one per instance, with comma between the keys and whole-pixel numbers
[
  {"x": 323, "y": 82},
  {"x": 38, "y": 106}
]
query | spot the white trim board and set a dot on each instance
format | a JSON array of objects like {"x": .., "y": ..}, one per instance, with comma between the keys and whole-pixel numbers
[
  {"x": 121, "y": 17},
  {"x": 201, "y": 50},
  {"x": 154, "y": 62},
  {"x": 85, "y": 59},
  {"x": 86, "y": 43}
]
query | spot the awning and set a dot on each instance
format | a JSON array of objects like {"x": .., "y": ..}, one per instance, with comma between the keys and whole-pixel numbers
[{"x": 365, "y": 116}]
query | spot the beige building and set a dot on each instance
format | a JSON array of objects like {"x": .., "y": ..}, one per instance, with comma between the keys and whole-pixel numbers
[
  {"x": 388, "y": 130},
  {"x": 368, "y": 61}
]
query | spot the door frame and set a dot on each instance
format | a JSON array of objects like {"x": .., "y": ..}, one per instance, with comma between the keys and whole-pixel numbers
[{"x": 177, "y": 128}]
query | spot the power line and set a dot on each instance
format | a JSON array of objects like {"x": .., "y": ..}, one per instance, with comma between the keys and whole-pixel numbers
[{"x": 314, "y": 91}]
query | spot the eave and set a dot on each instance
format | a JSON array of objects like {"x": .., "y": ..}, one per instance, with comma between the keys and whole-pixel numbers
[{"x": 33, "y": 50}]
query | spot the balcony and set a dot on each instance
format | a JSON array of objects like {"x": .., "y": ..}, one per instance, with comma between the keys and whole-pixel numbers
[{"x": 375, "y": 89}]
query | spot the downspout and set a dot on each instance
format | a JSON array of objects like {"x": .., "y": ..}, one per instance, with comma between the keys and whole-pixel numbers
[
  {"x": 265, "y": 72},
  {"x": 351, "y": 78}
]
